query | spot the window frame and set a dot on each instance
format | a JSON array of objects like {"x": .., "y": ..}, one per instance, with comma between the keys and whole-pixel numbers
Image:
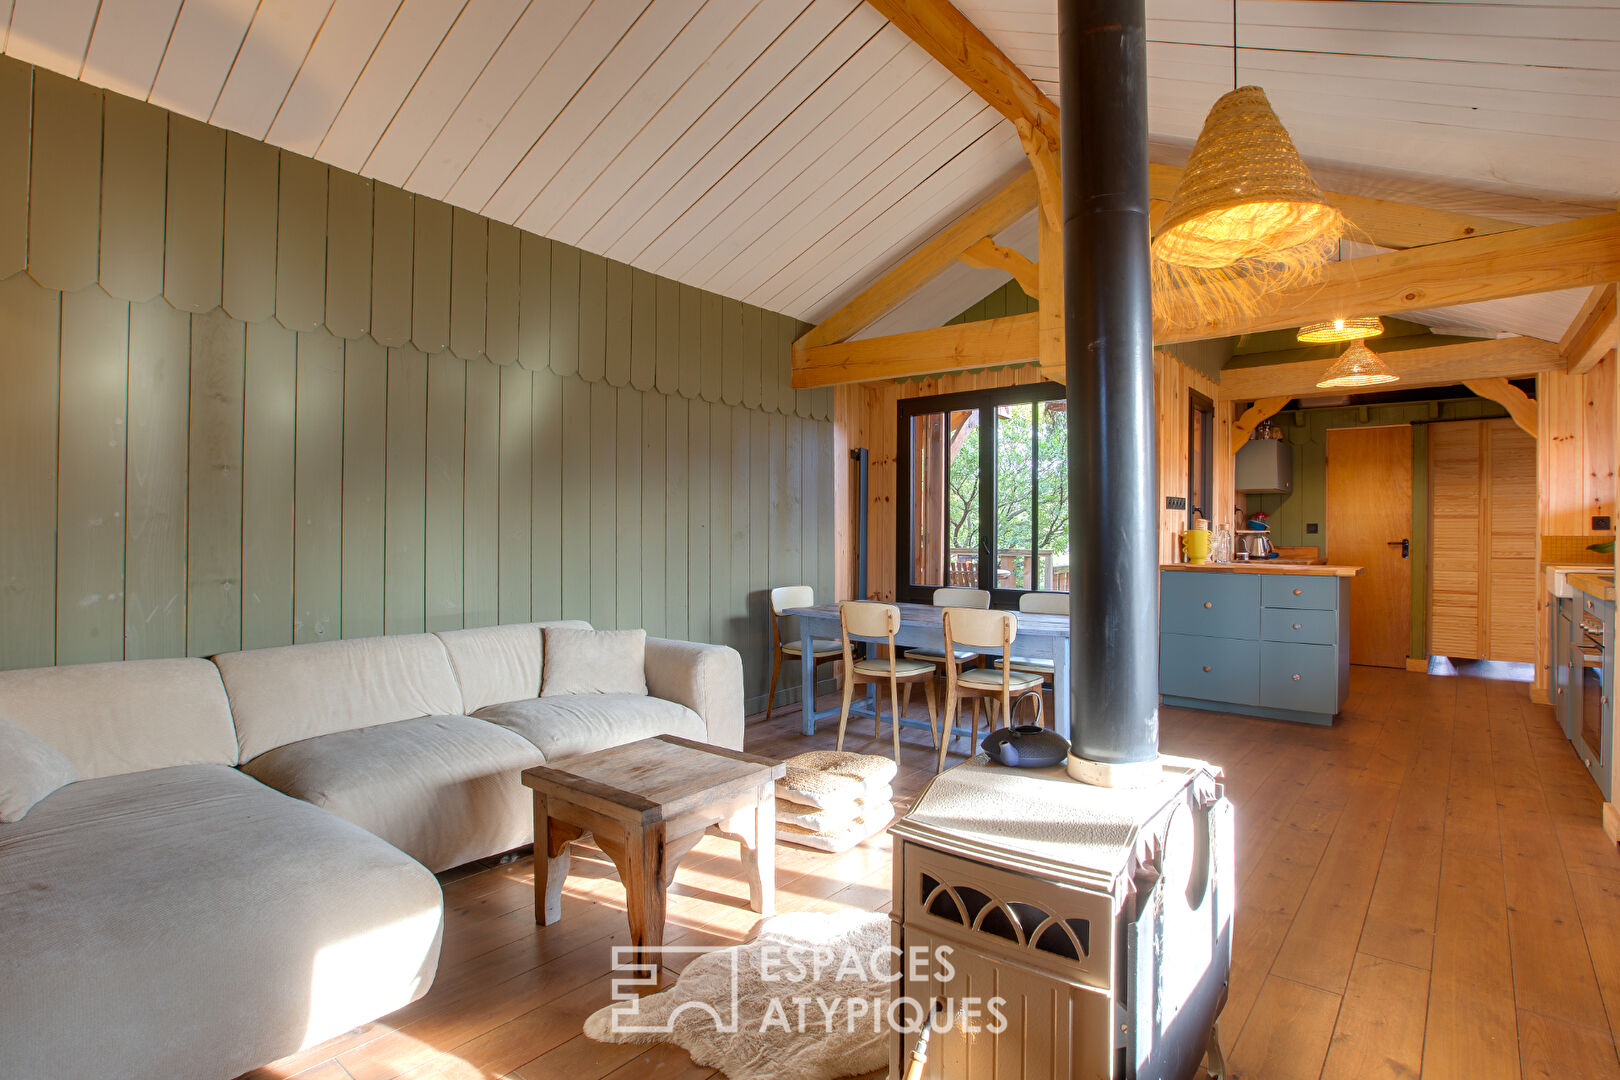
[
  {"x": 1202, "y": 456},
  {"x": 985, "y": 402}
]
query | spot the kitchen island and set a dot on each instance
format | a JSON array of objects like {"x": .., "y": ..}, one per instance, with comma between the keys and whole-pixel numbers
[{"x": 1256, "y": 638}]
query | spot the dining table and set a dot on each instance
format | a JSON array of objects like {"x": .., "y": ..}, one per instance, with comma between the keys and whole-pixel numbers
[{"x": 922, "y": 626}]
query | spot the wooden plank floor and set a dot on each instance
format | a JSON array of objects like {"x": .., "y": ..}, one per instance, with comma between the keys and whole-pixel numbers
[{"x": 1424, "y": 890}]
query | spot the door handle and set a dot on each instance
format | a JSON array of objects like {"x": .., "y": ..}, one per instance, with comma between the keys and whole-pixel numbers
[{"x": 1405, "y": 545}]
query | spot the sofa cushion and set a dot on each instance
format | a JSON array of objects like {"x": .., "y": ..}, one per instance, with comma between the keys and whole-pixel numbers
[
  {"x": 564, "y": 727},
  {"x": 708, "y": 679},
  {"x": 125, "y": 716},
  {"x": 295, "y": 692},
  {"x": 191, "y": 922},
  {"x": 499, "y": 663},
  {"x": 443, "y": 789},
  {"x": 594, "y": 662},
  {"x": 30, "y": 769}
]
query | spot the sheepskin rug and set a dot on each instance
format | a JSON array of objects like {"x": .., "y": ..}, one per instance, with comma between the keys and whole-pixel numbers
[{"x": 811, "y": 993}]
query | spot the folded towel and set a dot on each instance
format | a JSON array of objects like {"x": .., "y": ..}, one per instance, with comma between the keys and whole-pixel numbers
[
  {"x": 860, "y": 830},
  {"x": 825, "y": 820},
  {"x": 830, "y": 778}
]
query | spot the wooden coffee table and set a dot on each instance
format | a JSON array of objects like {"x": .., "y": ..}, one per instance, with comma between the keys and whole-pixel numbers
[{"x": 647, "y": 804}]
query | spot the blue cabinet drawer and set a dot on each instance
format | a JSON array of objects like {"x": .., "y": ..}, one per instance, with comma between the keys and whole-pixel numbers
[
  {"x": 1209, "y": 668},
  {"x": 1299, "y": 591},
  {"x": 1299, "y": 624},
  {"x": 1300, "y": 677},
  {"x": 1211, "y": 604}
]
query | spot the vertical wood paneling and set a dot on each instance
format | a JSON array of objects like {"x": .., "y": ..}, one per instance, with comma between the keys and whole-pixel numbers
[
  {"x": 776, "y": 331},
  {"x": 90, "y": 481},
  {"x": 301, "y": 243},
  {"x": 656, "y": 539},
  {"x": 690, "y": 326},
  {"x": 745, "y": 465},
  {"x": 269, "y": 470},
  {"x": 193, "y": 253},
  {"x": 678, "y": 516},
  {"x": 65, "y": 182},
  {"x": 517, "y": 492},
  {"x": 620, "y": 302},
  {"x": 565, "y": 314},
  {"x": 731, "y": 351},
  {"x": 16, "y": 117},
  {"x": 546, "y": 538},
  {"x": 751, "y": 356},
  {"x": 604, "y": 505},
  {"x": 715, "y": 583},
  {"x": 628, "y": 520},
  {"x": 135, "y": 139},
  {"x": 789, "y": 482},
  {"x": 698, "y": 479},
  {"x": 593, "y": 316},
  {"x": 712, "y": 316},
  {"x": 393, "y": 215},
  {"x": 348, "y": 254},
  {"x": 155, "y": 481},
  {"x": 576, "y": 499},
  {"x": 469, "y": 261},
  {"x": 501, "y": 314},
  {"x": 405, "y": 524},
  {"x": 446, "y": 433},
  {"x": 760, "y": 534},
  {"x": 827, "y": 464},
  {"x": 252, "y": 177},
  {"x": 430, "y": 277},
  {"x": 667, "y": 369},
  {"x": 318, "y": 490},
  {"x": 365, "y": 464},
  {"x": 481, "y": 507},
  {"x": 534, "y": 302},
  {"x": 643, "y": 329},
  {"x": 29, "y": 373},
  {"x": 214, "y": 524}
]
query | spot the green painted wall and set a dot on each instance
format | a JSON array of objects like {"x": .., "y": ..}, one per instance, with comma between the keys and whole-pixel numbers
[
  {"x": 1305, "y": 431},
  {"x": 1007, "y": 300},
  {"x": 247, "y": 400}
]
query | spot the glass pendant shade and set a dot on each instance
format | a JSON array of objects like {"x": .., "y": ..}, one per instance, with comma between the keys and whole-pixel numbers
[
  {"x": 1359, "y": 366},
  {"x": 1342, "y": 330}
]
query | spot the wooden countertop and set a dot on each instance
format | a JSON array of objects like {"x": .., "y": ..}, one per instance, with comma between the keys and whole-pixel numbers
[
  {"x": 1269, "y": 567},
  {"x": 1594, "y": 584}
]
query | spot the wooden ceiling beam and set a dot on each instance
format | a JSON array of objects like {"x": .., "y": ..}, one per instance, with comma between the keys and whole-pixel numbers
[
  {"x": 960, "y": 347},
  {"x": 1593, "y": 333},
  {"x": 952, "y": 39},
  {"x": 926, "y": 263},
  {"x": 1436, "y": 365}
]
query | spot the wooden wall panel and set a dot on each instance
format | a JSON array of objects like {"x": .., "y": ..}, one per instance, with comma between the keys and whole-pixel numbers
[
  {"x": 621, "y": 302},
  {"x": 658, "y": 541},
  {"x": 65, "y": 183},
  {"x": 534, "y": 303},
  {"x": 714, "y": 582},
  {"x": 135, "y": 140},
  {"x": 348, "y": 254},
  {"x": 405, "y": 510},
  {"x": 29, "y": 372},
  {"x": 680, "y": 515},
  {"x": 667, "y": 368},
  {"x": 446, "y": 435},
  {"x": 712, "y": 336},
  {"x": 154, "y": 570},
  {"x": 731, "y": 352},
  {"x": 16, "y": 118},
  {"x": 516, "y": 492},
  {"x": 644, "y": 336},
  {"x": 301, "y": 229},
  {"x": 469, "y": 261},
  {"x": 603, "y": 513},
  {"x": 627, "y": 523},
  {"x": 689, "y": 323},
  {"x": 1510, "y": 543},
  {"x": 593, "y": 316},
  {"x": 318, "y": 480},
  {"x": 481, "y": 494},
  {"x": 1457, "y": 573},
  {"x": 430, "y": 278},
  {"x": 252, "y": 181},
  {"x": 269, "y": 470},
  {"x": 365, "y": 487},
  {"x": 501, "y": 304},
  {"x": 575, "y": 548},
  {"x": 751, "y": 358},
  {"x": 545, "y": 518},
  {"x": 214, "y": 523},
  {"x": 392, "y": 239},
  {"x": 193, "y": 253},
  {"x": 90, "y": 481},
  {"x": 565, "y": 309}
]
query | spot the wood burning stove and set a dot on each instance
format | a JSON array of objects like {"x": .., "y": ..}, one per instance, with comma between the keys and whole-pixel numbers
[{"x": 1095, "y": 922}]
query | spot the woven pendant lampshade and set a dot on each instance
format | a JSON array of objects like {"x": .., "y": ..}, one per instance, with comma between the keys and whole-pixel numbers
[
  {"x": 1358, "y": 366},
  {"x": 1246, "y": 218},
  {"x": 1342, "y": 330}
]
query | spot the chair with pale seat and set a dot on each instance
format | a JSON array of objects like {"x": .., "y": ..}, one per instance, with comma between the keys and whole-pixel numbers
[
  {"x": 983, "y": 632},
  {"x": 866, "y": 620},
  {"x": 822, "y": 651},
  {"x": 953, "y": 597}
]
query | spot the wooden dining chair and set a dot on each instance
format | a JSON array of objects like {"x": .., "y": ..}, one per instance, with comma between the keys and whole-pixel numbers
[
  {"x": 952, "y": 597},
  {"x": 1040, "y": 603},
  {"x": 983, "y": 632},
  {"x": 866, "y": 620},
  {"x": 822, "y": 651}
]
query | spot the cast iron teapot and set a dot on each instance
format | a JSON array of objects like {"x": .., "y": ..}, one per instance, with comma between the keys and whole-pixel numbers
[{"x": 1027, "y": 746}]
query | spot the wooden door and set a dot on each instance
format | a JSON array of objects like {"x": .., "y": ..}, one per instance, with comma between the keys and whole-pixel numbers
[{"x": 1369, "y": 513}]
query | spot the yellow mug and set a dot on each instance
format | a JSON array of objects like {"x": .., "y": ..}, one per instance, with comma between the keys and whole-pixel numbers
[{"x": 1195, "y": 546}]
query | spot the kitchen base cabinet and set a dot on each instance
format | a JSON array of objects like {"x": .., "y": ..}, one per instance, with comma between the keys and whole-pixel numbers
[{"x": 1256, "y": 641}]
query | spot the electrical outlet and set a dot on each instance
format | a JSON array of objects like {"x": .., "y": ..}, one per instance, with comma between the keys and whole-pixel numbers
[
  {"x": 1310, "y": 527},
  {"x": 1175, "y": 502},
  {"x": 1600, "y": 523}
]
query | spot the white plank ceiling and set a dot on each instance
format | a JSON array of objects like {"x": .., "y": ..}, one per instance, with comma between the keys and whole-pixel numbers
[{"x": 786, "y": 152}]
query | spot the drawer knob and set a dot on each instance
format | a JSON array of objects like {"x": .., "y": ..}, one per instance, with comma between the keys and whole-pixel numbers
[
  {"x": 1206, "y": 667},
  {"x": 1299, "y": 592},
  {"x": 1297, "y": 626},
  {"x": 1208, "y": 604},
  {"x": 1296, "y": 678}
]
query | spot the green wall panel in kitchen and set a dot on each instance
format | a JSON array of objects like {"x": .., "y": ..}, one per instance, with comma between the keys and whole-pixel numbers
[{"x": 250, "y": 400}]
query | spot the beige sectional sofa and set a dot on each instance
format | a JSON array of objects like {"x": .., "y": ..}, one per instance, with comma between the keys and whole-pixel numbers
[{"x": 242, "y": 869}]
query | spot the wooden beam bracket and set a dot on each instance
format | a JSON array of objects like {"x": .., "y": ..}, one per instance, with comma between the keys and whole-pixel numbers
[
  {"x": 1253, "y": 417},
  {"x": 986, "y": 254},
  {"x": 1592, "y": 335},
  {"x": 1524, "y": 411}
]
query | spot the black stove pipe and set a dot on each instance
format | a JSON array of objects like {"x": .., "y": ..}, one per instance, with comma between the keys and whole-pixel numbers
[{"x": 1108, "y": 305}]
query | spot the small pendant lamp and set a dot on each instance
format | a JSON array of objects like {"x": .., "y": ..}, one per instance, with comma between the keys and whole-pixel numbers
[
  {"x": 1247, "y": 217},
  {"x": 1342, "y": 330},
  {"x": 1358, "y": 366}
]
